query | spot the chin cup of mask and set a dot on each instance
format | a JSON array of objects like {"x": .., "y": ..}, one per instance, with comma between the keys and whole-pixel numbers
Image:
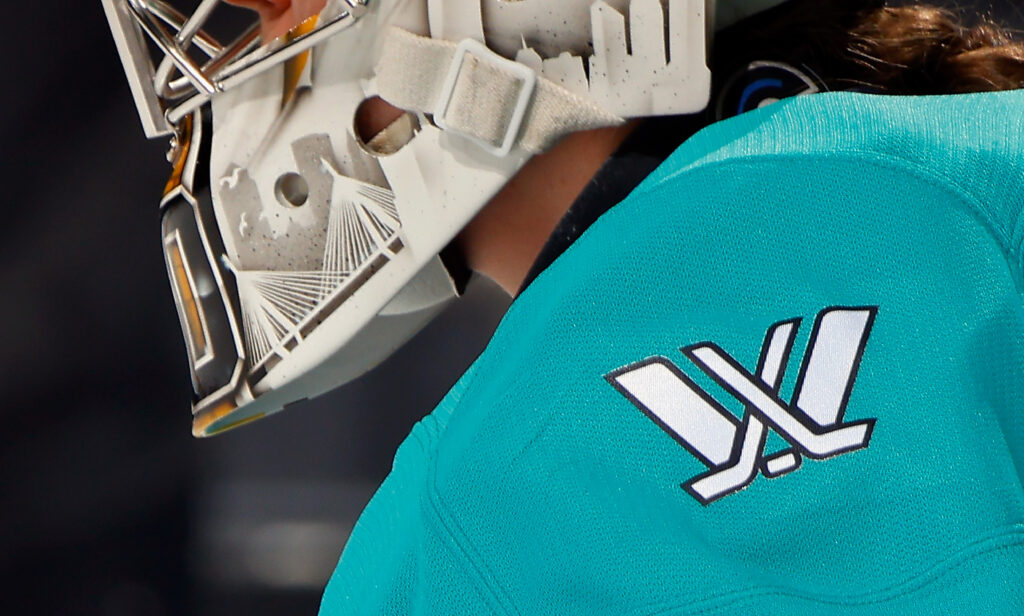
[{"x": 259, "y": 340}]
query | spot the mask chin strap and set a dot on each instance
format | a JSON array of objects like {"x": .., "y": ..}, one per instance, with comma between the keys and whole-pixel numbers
[{"x": 472, "y": 91}]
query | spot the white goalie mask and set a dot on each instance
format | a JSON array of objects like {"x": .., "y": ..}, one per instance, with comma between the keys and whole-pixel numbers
[{"x": 301, "y": 256}]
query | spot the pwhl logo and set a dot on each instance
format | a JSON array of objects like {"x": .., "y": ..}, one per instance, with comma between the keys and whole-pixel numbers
[{"x": 812, "y": 423}]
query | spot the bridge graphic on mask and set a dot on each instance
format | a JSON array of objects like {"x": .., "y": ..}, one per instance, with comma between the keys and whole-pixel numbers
[{"x": 336, "y": 231}]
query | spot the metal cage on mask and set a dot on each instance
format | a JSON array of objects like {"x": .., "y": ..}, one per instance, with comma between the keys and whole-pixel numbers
[
  {"x": 233, "y": 344},
  {"x": 300, "y": 256},
  {"x": 168, "y": 92}
]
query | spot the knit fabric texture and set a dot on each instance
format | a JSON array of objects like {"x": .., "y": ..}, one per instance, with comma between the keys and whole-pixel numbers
[{"x": 537, "y": 487}]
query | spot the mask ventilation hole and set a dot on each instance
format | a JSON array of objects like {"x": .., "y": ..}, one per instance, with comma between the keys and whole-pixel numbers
[
  {"x": 381, "y": 129},
  {"x": 292, "y": 190}
]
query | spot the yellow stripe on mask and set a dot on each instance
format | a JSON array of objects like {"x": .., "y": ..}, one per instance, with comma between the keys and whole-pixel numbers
[{"x": 294, "y": 67}]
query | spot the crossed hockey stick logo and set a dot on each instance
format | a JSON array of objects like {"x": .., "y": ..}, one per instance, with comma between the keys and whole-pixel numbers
[{"x": 812, "y": 423}]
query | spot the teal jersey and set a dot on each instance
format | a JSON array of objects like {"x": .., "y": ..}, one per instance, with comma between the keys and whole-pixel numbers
[{"x": 784, "y": 376}]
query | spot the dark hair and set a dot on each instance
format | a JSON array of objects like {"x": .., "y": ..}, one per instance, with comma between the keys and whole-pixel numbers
[{"x": 911, "y": 49}]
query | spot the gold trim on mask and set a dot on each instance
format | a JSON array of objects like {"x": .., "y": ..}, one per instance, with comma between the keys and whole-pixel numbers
[
  {"x": 294, "y": 67},
  {"x": 202, "y": 424},
  {"x": 181, "y": 151}
]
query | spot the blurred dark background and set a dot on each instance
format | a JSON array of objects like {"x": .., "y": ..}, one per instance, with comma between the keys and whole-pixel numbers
[{"x": 108, "y": 507}]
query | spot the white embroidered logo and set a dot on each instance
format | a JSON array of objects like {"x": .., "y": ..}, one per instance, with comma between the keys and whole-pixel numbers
[{"x": 812, "y": 423}]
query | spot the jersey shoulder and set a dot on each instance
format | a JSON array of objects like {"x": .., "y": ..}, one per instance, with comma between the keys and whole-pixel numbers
[
  {"x": 858, "y": 247},
  {"x": 783, "y": 376}
]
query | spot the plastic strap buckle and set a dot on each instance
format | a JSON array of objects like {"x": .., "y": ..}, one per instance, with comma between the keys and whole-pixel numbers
[{"x": 521, "y": 72}]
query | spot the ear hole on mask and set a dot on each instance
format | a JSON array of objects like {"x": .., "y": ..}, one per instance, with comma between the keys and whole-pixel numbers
[
  {"x": 292, "y": 190},
  {"x": 382, "y": 130}
]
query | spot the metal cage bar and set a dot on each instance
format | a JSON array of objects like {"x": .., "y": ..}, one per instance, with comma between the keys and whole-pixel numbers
[{"x": 167, "y": 92}]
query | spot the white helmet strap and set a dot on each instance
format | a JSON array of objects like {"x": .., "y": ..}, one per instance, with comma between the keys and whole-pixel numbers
[{"x": 473, "y": 91}]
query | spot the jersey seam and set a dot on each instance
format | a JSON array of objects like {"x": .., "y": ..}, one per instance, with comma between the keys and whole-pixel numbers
[
  {"x": 1010, "y": 248},
  {"x": 1012, "y": 255},
  {"x": 496, "y": 595},
  {"x": 1018, "y": 238},
  {"x": 445, "y": 524}
]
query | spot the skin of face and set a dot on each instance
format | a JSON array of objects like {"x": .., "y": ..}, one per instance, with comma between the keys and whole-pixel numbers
[{"x": 277, "y": 17}]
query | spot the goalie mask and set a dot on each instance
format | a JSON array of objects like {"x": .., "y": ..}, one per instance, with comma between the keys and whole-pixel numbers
[{"x": 300, "y": 254}]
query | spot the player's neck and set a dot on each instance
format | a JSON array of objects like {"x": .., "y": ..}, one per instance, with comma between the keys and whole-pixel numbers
[{"x": 505, "y": 238}]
